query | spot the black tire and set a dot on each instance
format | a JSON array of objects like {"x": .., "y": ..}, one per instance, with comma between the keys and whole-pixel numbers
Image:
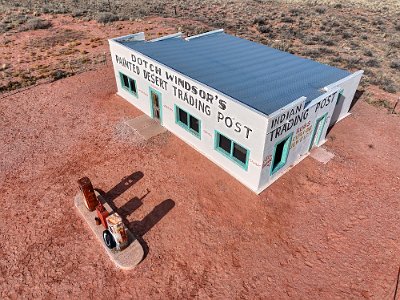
[{"x": 108, "y": 239}]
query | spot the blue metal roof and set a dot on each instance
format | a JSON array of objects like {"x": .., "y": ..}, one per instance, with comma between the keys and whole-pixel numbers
[{"x": 263, "y": 78}]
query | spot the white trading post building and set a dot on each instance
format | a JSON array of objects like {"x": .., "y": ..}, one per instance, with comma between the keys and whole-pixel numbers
[{"x": 253, "y": 110}]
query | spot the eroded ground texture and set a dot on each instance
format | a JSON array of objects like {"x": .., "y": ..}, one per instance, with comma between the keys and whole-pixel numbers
[{"x": 320, "y": 232}]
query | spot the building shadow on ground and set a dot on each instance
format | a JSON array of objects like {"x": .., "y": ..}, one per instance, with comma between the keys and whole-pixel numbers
[
  {"x": 138, "y": 228},
  {"x": 357, "y": 97}
]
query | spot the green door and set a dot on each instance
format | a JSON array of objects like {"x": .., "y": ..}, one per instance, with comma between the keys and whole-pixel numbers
[
  {"x": 319, "y": 127},
  {"x": 155, "y": 105}
]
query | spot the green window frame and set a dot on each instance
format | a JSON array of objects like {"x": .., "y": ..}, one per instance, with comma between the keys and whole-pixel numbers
[
  {"x": 188, "y": 121},
  {"x": 128, "y": 84},
  {"x": 281, "y": 152},
  {"x": 232, "y": 150}
]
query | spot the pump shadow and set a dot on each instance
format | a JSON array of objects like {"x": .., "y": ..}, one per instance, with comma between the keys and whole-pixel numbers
[
  {"x": 138, "y": 228},
  {"x": 123, "y": 185}
]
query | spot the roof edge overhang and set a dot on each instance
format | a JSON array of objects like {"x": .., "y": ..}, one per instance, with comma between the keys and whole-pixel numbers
[{"x": 334, "y": 84}]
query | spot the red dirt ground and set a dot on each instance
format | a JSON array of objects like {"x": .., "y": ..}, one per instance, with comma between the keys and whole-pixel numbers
[{"x": 320, "y": 232}]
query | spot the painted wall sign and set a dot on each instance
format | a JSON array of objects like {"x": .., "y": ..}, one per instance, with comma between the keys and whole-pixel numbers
[
  {"x": 267, "y": 161},
  {"x": 301, "y": 134},
  {"x": 295, "y": 116},
  {"x": 209, "y": 104}
]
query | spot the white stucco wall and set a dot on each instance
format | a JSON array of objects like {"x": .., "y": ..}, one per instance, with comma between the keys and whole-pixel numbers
[{"x": 248, "y": 127}]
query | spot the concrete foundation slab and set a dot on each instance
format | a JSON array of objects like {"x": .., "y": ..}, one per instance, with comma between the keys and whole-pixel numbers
[
  {"x": 322, "y": 155},
  {"x": 146, "y": 126},
  {"x": 126, "y": 259}
]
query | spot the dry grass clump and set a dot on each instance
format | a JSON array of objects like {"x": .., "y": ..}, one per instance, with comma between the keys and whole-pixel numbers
[
  {"x": 35, "y": 24},
  {"x": 395, "y": 65},
  {"x": 106, "y": 17}
]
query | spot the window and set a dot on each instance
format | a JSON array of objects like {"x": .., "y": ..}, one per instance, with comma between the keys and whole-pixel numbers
[
  {"x": 225, "y": 144},
  {"x": 128, "y": 84},
  {"x": 132, "y": 84},
  {"x": 239, "y": 153},
  {"x": 281, "y": 153},
  {"x": 232, "y": 150},
  {"x": 194, "y": 124},
  {"x": 187, "y": 121}
]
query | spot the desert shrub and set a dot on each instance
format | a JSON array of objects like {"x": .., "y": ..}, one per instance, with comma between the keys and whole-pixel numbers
[
  {"x": 372, "y": 63},
  {"x": 354, "y": 45},
  {"x": 363, "y": 19},
  {"x": 364, "y": 37},
  {"x": 4, "y": 28},
  {"x": 58, "y": 74},
  {"x": 338, "y": 5},
  {"x": 219, "y": 23},
  {"x": 78, "y": 13},
  {"x": 295, "y": 11},
  {"x": 35, "y": 23},
  {"x": 324, "y": 40},
  {"x": 397, "y": 26},
  {"x": 395, "y": 64},
  {"x": 307, "y": 40},
  {"x": 123, "y": 17},
  {"x": 325, "y": 50},
  {"x": 337, "y": 59},
  {"x": 287, "y": 20},
  {"x": 378, "y": 22},
  {"x": 283, "y": 46},
  {"x": 11, "y": 85},
  {"x": 327, "y": 41},
  {"x": 394, "y": 44},
  {"x": 265, "y": 28},
  {"x": 312, "y": 53},
  {"x": 378, "y": 103},
  {"x": 320, "y": 9},
  {"x": 384, "y": 82},
  {"x": 259, "y": 20},
  {"x": 335, "y": 23},
  {"x": 353, "y": 62},
  {"x": 61, "y": 9},
  {"x": 106, "y": 17},
  {"x": 346, "y": 35},
  {"x": 368, "y": 52}
]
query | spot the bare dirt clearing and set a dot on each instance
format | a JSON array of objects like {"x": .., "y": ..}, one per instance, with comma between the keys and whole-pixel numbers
[{"x": 320, "y": 232}]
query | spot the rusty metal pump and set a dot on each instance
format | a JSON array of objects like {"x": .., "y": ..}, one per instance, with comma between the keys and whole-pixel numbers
[{"x": 115, "y": 234}]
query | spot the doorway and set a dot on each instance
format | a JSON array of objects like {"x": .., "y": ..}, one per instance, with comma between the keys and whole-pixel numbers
[
  {"x": 155, "y": 105},
  {"x": 319, "y": 127}
]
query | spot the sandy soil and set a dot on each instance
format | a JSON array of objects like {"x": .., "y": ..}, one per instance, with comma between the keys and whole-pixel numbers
[{"x": 320, "y": 232}]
